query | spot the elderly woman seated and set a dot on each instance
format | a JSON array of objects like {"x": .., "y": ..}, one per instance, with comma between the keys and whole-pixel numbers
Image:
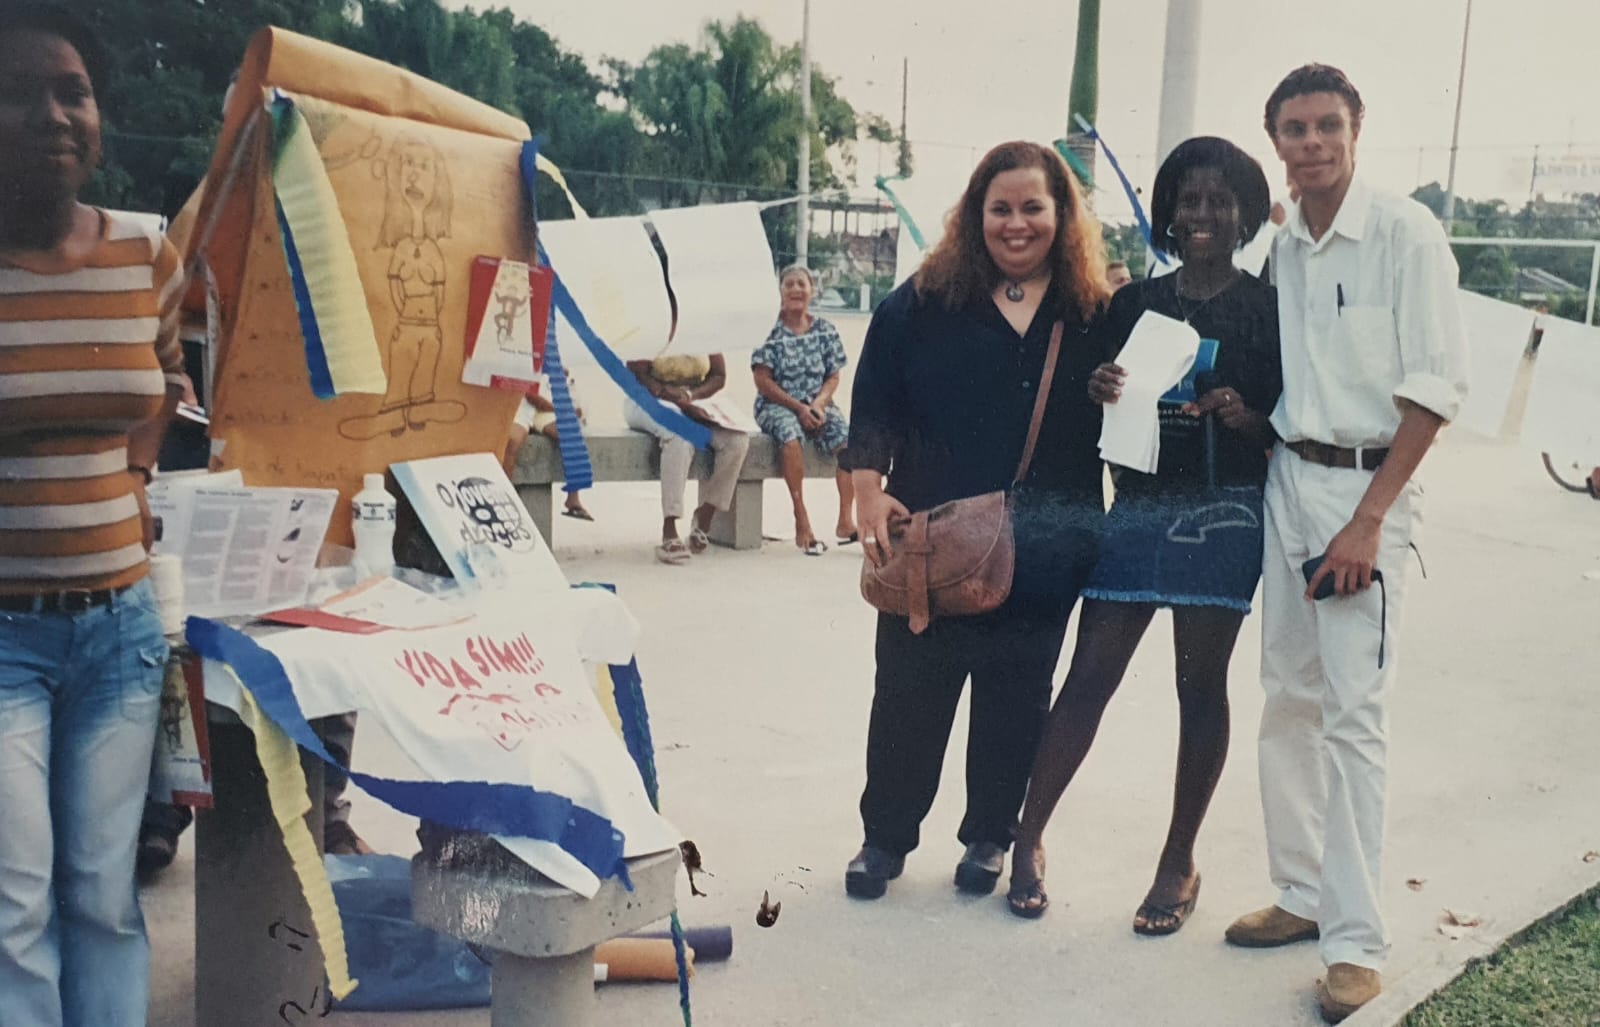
[{"x": 797, "y": 372}]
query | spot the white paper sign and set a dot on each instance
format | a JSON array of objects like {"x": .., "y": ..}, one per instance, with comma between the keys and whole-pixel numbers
[
  {"x": 720, "y": 268},
  {"x": 474, "y": 516},
  {"x": 614, "y": 275},
  {"x": 1157, "y": 354}
]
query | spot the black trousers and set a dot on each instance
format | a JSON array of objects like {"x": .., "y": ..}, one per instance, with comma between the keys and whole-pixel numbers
[{"x": 1010, "y": 655}]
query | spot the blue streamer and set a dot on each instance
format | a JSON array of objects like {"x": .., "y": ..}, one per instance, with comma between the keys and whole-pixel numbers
[
  {"x": 577, "y": 472},
  {"x": 316, "y": 355},
  {"x": 1127, "y": 187},
  {"x": 627, "y": 688},
  {"x": 492, "y": 808},
  {"x": 672, "y": 419}
]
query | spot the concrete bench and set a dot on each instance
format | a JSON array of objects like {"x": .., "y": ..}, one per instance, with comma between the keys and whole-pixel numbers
[
  {"x": 634, "y": 456},
  {"x": 542, "y": 936}
]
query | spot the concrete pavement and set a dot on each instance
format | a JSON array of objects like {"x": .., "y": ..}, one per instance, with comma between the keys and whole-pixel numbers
[{"x": 758, "y": 670}]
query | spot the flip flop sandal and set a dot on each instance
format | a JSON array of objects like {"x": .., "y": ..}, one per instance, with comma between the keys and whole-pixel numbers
[
  {"x": 673, "y": 552},
  {"x": 816, "y": 548},
  {"x": 1178, "y": 912},
  {"x": 577, "y": 514},
  {"x": 699, "y": 541},
  {"x": 1028, "y": 901}
]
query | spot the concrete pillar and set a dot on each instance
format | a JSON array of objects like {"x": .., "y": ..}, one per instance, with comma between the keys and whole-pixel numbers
[
  {"x": 538, "y": 500},
  {"x": 739, "y": 527},
  {"x": 556, "y": 991}
]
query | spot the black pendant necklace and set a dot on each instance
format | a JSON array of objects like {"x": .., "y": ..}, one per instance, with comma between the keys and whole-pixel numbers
[{"x": 1014, "y": 292}]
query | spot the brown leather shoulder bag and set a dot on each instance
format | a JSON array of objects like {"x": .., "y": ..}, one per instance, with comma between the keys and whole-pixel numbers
[{"x": 957, "y": 559}]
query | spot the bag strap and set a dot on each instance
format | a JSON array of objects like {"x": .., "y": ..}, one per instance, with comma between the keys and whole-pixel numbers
[
  {"x": 1039, "y": 402},
  {"x": 918, "y": 550}
]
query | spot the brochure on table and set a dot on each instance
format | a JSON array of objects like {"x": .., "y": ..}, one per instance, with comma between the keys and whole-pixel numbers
[{"x": 244, "y": 550}]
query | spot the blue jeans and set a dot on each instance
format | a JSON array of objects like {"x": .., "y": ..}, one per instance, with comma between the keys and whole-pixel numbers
[{"x": 79, "y": 697}]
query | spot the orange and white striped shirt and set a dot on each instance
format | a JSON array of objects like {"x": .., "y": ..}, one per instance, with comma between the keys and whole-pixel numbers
[{"x": 85, "y": 355}]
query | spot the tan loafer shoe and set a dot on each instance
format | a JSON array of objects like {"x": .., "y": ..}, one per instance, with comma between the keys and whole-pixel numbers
[
  {"x": 1268, "y": 928},
  {"x": 1347, "y": 988}
]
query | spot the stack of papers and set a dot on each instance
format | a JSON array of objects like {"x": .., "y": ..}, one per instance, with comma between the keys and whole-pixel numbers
[{"x": 1158, "y": 353}]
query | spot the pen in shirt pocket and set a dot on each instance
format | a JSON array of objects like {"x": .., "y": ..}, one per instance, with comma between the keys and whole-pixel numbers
[{"x": 1339, "y": 297}]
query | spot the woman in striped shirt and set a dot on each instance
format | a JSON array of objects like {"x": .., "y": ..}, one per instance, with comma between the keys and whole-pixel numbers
[{"x": 90, "y": 368}]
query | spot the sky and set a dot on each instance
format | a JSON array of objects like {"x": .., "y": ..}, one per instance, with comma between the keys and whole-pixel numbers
[{"x": 982, "y": 74}]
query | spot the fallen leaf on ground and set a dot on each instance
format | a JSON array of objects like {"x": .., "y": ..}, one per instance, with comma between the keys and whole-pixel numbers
[
  {"x": 1416, "y": 883},
  {"x": 767, "y": 915},
  {"x": 1455, "y": 925},
  {"x": 1591, "y": 856}
]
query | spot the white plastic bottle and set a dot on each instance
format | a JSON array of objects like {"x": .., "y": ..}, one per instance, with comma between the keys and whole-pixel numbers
[{"x": 372, "y": 513}]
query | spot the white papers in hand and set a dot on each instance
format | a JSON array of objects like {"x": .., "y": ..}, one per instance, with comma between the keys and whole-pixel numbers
[{"x": 1157, "y": 354}]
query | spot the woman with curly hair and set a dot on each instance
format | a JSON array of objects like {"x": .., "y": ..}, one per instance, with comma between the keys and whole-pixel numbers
[{"x": 941, "y": 405}]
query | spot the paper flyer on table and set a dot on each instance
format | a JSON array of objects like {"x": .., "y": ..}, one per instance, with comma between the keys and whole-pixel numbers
[
  {"x": 244, "y": 550},
  {"x": 1156, "y": 355}
]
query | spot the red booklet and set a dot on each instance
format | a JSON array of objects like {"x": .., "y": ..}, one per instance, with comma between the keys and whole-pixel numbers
[{"x": 507, "y": 321}]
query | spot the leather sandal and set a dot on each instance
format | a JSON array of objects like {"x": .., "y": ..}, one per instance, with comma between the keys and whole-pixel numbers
[
  {"x": 1028, "y": 901},
  {"x": 1178, "y": 912}
]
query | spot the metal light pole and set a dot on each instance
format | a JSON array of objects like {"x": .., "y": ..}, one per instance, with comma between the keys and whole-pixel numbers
[
  {"x": 1455, "y": 132},
  {"x": 802, "y": 228}
]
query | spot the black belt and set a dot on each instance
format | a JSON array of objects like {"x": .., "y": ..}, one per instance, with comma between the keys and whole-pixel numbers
[
  {"x": 1337, "y": 456},
  {"x": 71, "y": 600}
]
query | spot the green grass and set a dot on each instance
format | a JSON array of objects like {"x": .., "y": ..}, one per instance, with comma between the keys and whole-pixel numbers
[{"x": 1550, "y": 977}]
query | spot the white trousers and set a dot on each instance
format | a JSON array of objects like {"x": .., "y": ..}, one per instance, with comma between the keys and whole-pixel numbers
[
  {"x": 1325, "y": 725},
  {"x": 728, "y": 451}
]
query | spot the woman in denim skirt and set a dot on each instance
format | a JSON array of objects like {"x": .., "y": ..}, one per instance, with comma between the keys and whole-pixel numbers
[{"x": 1188, "y": 537}]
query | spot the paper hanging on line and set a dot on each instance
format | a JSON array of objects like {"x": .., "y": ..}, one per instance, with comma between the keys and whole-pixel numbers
[
  {"x": 720, "y": 267},
  {"x": 245, "y": 550},
  {"x": 1497, "y": 337},
  {"x": 614, "y": 275},
  {"x": 1563, "y": 418},
  {"x": 1158, "y": 352}
]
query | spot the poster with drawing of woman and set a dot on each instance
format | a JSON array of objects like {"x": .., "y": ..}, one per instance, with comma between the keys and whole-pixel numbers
[{"x": 416, "y": 214}]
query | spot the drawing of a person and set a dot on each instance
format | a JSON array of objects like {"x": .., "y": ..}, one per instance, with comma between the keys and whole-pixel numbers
[{"x": 416, "y": 214}]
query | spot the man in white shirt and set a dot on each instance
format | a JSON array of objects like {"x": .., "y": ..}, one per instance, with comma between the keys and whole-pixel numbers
[{"x": 1373, "y": 365}]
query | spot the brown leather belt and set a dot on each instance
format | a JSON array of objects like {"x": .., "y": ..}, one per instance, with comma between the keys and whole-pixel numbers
[
  {"x": 1338, "y": 456},
  {"x": 71, "y": 600}
]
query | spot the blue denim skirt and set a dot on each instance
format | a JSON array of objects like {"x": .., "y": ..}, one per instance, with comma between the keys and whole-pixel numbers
[{"x": 1181, "y": 549}]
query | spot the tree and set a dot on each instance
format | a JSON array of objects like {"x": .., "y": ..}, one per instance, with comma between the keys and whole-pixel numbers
[
  {"x": 1083, "y": 97},
  {"x": 728, "y": 111}
]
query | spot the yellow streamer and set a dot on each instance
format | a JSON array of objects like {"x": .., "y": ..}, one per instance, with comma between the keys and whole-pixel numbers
[
  {"x": 606, "y": 691},
  {"x": 544, "y": 164},
  {"x": 286, "y": 791}
]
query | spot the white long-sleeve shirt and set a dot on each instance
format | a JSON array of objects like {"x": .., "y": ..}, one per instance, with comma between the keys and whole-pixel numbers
[{"x": 1368, "y": 316}]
